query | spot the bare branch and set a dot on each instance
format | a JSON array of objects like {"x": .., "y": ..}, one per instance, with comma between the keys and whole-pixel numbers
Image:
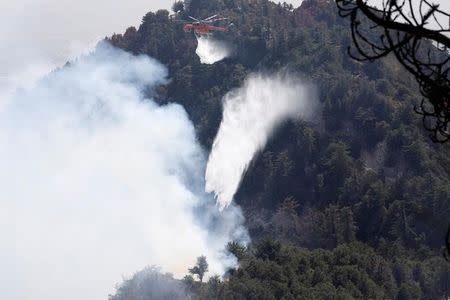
[{"x": 391, "y": 30}]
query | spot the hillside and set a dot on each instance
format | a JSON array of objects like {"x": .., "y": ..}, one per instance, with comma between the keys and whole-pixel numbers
[{"x": 354, "y": 204}]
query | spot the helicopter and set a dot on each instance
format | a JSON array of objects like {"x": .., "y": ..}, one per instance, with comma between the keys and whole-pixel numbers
[{"x": 203, "y": 26}]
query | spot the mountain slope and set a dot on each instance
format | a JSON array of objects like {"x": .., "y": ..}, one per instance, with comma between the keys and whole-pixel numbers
[{"x": 362, "y": 181}]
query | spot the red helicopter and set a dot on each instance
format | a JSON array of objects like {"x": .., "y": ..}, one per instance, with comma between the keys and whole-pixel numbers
[{"x": 203, "y": 27}]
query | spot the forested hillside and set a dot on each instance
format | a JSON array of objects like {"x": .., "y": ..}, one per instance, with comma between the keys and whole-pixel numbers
[{"x": 354, "y": 204}]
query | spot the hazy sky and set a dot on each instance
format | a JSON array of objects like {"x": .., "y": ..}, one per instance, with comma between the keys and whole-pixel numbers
[{"x": 38, "y": 34}]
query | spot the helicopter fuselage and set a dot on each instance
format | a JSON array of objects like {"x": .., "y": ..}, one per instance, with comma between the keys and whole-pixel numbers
[{"x": 203, "y": 29}]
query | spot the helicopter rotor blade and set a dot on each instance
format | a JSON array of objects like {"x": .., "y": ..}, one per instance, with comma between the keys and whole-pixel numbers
[
  {"x": 195, "y": 19},
  {"x": 212, "y": 17},
  {"x": 216, "y": 20}
]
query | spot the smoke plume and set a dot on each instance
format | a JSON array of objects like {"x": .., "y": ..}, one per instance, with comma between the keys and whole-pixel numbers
[
  {"x": 250, "y": 115},
  {"x": 210, "y": 50},
  {"x": 97, "y": 181}
]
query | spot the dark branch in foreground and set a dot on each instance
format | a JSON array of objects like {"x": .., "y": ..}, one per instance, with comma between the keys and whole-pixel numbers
[{"x": 413, "y": 33}]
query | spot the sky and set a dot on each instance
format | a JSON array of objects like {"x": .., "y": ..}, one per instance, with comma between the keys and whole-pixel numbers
[{"x": 39, "y": 35}]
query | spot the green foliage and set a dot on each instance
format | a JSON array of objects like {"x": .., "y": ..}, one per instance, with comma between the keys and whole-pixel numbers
[
  {"x": 178, "y": 6},
  {"x": 362, "y": 181},
  {"x": 150, "y": 283},
  {"x": 236, "y": 249},
  {"x": 200, "y": 268},
  {"x": 350, "y": 271},
  {"x": 271, "y": 270}
]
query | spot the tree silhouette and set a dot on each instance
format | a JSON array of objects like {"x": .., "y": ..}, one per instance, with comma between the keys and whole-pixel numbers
[
  {"x": 237, "y": 249},
  {"x": 178, "y": 6},
  {"x": 200, "y": 268},
  {"x": 414, "y": 33}
]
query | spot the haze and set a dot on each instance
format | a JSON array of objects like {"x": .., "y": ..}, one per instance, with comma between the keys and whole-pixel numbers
[{"x": 39, "y": 35}]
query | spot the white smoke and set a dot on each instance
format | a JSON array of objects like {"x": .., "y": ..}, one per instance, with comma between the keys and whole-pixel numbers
[
  {"x": 97, "y": 182},
  {"x": 251, "y": 113},
  {"x": 210, "y": 50},
  {"x": 35, "y": 43}
]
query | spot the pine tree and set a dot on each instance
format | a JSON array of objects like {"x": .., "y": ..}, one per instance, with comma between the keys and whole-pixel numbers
[{"x": 200, "y": 268}]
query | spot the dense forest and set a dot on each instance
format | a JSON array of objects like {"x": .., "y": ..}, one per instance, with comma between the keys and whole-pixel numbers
[{"x": 354, "y": 204}]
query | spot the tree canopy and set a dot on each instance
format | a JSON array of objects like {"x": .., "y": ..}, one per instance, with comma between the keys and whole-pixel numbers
[
  {"x": 354, "y": 204},
  {"x": 405, "y": 29},
  {"x": 200, "y": 268}
]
